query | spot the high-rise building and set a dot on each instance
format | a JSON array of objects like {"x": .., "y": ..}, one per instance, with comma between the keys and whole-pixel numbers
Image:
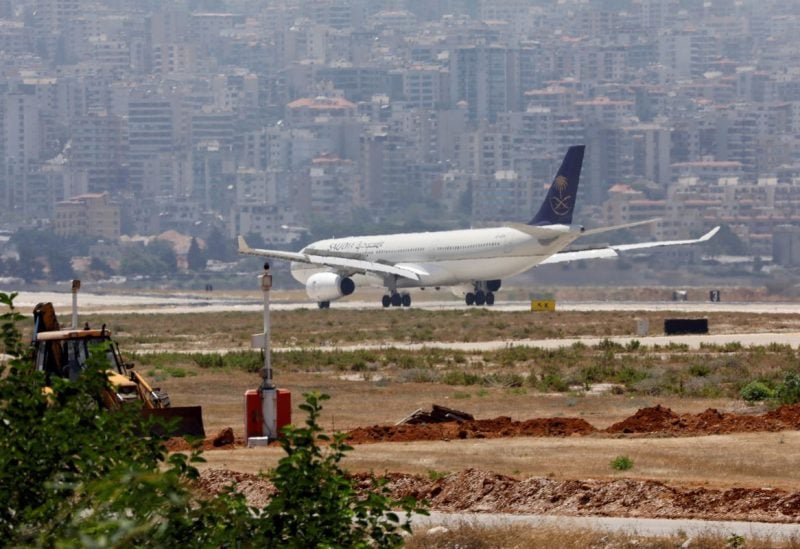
[
  {"x": 22, "y": 148},
  {"x": 153, "y": 128},
  {"x": 483, "y": 76},
  {"x": 100, "y": 148}
]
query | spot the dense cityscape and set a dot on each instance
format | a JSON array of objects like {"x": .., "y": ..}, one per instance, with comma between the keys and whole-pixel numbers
[{"x": 197, "y": 121}]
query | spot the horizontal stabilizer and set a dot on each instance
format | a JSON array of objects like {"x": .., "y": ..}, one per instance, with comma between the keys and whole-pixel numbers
[
  {"x": 644, "y": 245},
  {"x": 618, "y": 227},
  {"x": 543, "y": 232}
]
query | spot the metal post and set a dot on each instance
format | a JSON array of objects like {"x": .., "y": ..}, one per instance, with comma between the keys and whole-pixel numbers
[
  {"x": 76, "y": 285},
  {"x": 269, "y": 395},
  {"x": 266, "y": 372}
]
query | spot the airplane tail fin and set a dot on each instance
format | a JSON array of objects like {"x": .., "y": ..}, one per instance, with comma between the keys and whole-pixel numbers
[{"x": 560, "y": 200}]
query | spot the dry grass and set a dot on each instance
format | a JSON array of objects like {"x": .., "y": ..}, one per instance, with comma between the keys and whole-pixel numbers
[
  {"x": 364, "y": 403},
  {"x": 709, "y": 373},
  {"x": 304, "y": 328},
  {"x": 469, "y": 536}
]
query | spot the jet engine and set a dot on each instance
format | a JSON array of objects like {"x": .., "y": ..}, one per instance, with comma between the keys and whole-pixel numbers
[{"x": 328, "y": 286}]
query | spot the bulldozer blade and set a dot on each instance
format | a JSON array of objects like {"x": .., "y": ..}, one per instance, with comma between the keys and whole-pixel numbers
[{"x": 182, "y": 420}]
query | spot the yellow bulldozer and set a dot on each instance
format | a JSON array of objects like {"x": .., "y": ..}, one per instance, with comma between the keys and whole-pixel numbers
[{"x": 63, "y": 353}]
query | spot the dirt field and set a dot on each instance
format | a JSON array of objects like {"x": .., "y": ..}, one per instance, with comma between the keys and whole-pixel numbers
[
  {"x": 528, "y": 451},
  {"x": 560, "y": 438}
]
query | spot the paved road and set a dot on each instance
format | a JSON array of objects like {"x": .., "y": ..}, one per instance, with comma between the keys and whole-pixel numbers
[{"x": 639, "y": 526}]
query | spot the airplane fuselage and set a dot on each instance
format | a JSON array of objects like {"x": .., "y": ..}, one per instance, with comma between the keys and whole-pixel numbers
[{"x": 443, "y": 258}]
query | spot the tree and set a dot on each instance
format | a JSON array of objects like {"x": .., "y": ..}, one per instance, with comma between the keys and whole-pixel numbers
[
  {"x": 218, "y": 247},
  {"x": 156, "y": 259},
  {"x": 196, "y": 257},
  {"x": 97, "y": 265},
  {"x": 165, "y": 253},
  {"x": 60, "y": 262},
  {"x": 726, "y": 242}
]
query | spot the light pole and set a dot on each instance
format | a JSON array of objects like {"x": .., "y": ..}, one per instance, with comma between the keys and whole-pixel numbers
[
  {"x": 266, "y": 371},
  {"x": 268, "y": 408}
]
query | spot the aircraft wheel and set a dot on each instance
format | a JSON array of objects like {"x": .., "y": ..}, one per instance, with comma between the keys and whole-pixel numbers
[
  {"x": 470, "y": 298},
  {"x": 490, "y": 298},
  {"x": 480, "y": 297},
  {"x": 396, "y": 300},
  {"x": 406, "y": 300},
  {"x": 324, "y": 304},
  {"x": 386, "y": 300}
]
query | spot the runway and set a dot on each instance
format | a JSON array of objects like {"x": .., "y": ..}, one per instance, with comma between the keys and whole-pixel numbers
[{"x": 178, "y": 303}]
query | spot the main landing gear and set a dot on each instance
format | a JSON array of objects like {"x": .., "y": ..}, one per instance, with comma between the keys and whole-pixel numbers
[
  {"x": 396, "y": 300},
  {"x": 324, "y": 304},
  {"x": 483, "y": 294},
  {"x": 479, "y": 298}
]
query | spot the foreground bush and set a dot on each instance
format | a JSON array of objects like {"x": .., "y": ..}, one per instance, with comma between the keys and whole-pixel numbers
[
  {"x": 788, "y": 392},
  {"x": 73, "y": 474},
  {"x": 756, "y": 391}
]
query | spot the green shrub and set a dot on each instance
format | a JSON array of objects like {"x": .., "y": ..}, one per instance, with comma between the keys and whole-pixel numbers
[
  {"x": 433, "y": 474},
  {"x": 551, "y": 380},
  {"x": 460, "y": 377},
  {"x": 755, "y": 391},
  {"x": 699, "y": 370},
  {"x": 628, "y": 375},
  {"x": 316, "y": 504},
  {"x": 788, "y": 392},
  {"x": 621, "y": 463},
  {"x": 633, "y": 345},
  {"x": 209, "y": 361}
]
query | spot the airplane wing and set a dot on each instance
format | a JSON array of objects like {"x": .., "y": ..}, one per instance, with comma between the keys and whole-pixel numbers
[
  {"x": 334, "y": 262},
  {"x": 612, "y": 251}
]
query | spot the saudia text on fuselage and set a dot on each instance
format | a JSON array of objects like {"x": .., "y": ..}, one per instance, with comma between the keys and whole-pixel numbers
[{"x": 355, "y": 245}]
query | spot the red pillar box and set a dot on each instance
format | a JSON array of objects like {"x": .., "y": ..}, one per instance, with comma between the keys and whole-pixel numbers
[
  {"x": 284, "y": 405},
  {"x": 253, "y": 418}
]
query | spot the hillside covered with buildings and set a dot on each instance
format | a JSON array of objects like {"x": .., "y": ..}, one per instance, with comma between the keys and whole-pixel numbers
[{"x": 296, "y": 119}]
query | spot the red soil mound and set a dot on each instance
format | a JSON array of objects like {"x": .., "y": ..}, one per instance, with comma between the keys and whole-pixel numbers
[
  {"x": 221, "y": 441},
  {"x": 481, "y": 491},
  {"x": 710, "y": 422},
  {"x": 479, "y": 428},
  {"x": 473, "y": 490},
  {"x": 645, "y": 421}
]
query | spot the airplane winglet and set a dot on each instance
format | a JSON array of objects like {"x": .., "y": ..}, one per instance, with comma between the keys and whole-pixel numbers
[
  {"x": 243, "y": 247},
  {"x": 709, "y": 235}
]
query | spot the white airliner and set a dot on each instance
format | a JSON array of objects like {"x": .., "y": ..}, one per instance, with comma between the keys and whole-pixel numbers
[{"x": 471, "y": 262}]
